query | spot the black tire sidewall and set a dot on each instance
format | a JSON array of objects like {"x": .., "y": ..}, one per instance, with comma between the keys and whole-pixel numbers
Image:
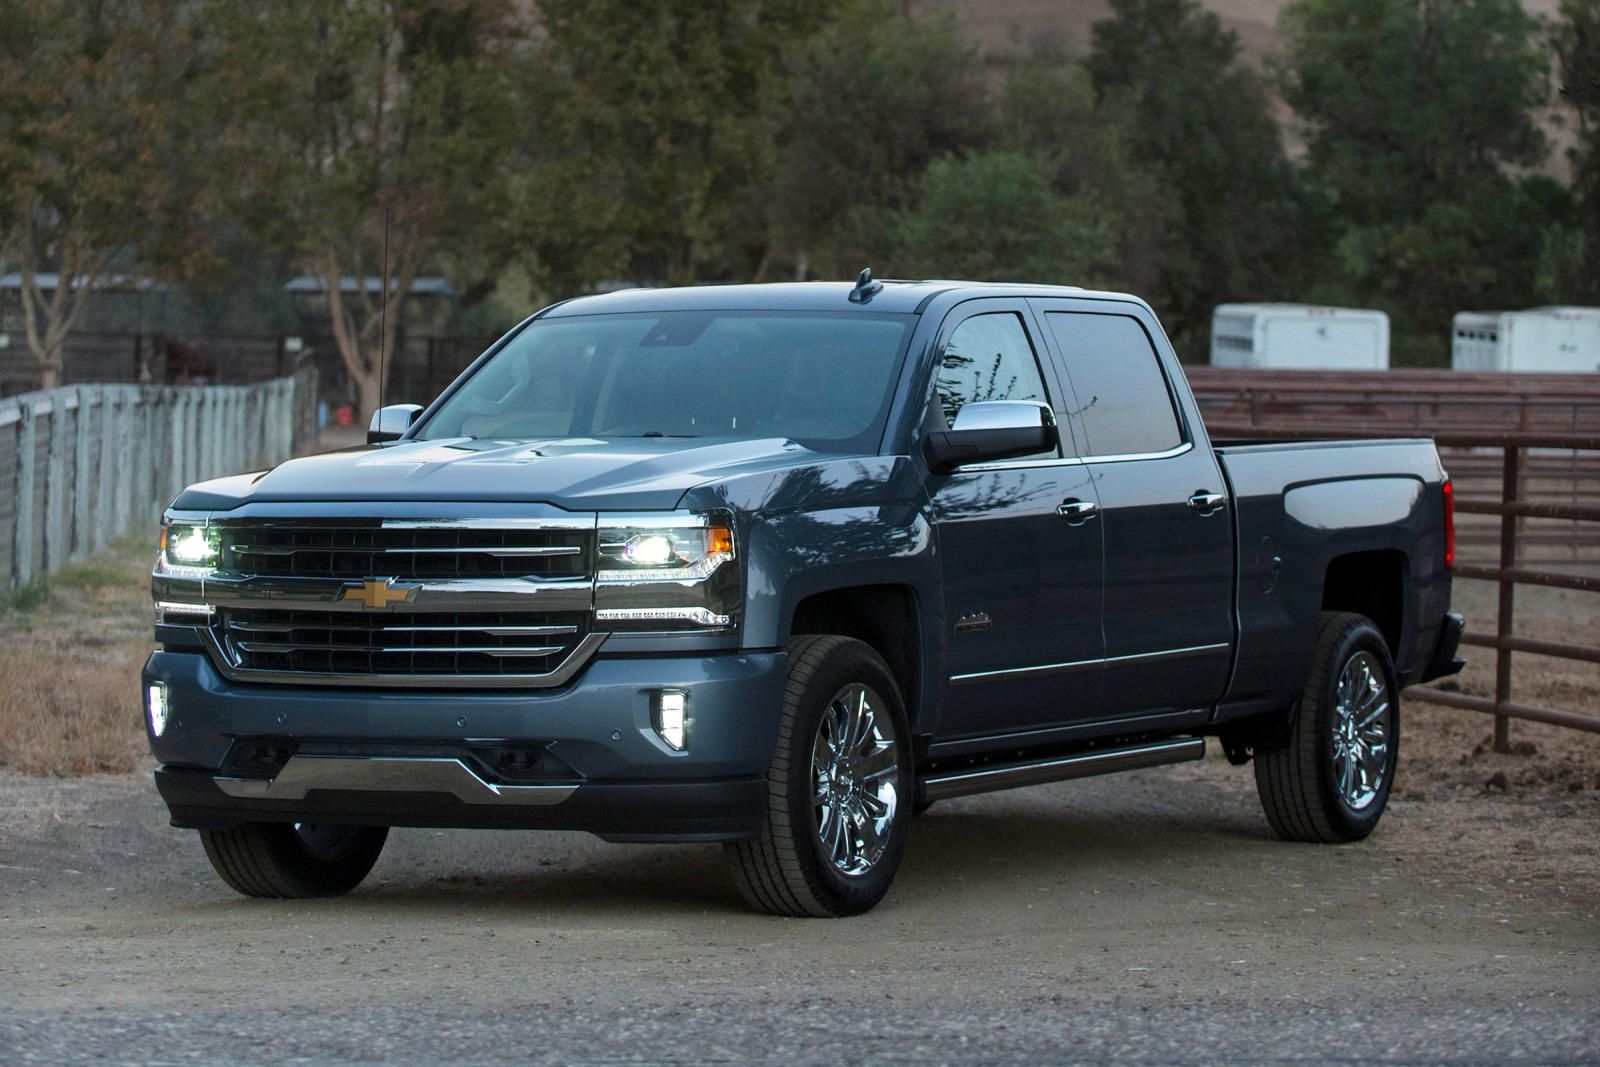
[
  {"x": 1361, "y": 636},
  {"x": 849, "y": 662}
]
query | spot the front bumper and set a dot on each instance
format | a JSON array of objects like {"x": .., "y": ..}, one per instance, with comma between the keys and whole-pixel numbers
[{"x": 591, "y": 757}]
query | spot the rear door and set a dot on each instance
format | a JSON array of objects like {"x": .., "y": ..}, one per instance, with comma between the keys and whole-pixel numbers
[
  {"x": 1168, "y": 614},
  {"x": 1019, "y": 544}
]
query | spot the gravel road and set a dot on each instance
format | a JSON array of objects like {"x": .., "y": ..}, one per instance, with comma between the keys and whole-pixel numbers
[{"x": 1148, "y": 917}]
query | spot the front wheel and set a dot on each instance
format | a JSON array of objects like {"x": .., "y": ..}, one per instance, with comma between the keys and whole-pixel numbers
[
  {"x": 839, "y": 790},
  {"x": 294, "y": 860},
  {"x": 1328, "y": 779}
]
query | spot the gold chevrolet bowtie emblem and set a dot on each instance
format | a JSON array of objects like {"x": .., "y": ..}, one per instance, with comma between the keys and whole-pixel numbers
[{"x": 379, "y": 593}]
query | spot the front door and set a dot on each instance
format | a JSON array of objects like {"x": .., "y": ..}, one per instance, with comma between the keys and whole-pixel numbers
[
  {"x": 1020, "y": 546},
  {"x": 1163, "y": 508}
]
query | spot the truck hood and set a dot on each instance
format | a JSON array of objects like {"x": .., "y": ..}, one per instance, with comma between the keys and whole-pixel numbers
[{"x": 579, "y": 474}]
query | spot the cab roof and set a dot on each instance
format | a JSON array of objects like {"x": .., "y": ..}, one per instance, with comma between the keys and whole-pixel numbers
[{"x": 896, "y": 297}]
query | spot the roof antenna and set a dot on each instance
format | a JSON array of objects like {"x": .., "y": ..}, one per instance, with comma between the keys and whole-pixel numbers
[
  {"x": 865, "y": 288},
  {"x": 383, "y": 310}
]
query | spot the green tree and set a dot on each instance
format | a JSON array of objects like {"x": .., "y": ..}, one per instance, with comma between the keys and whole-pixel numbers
[
  {"x": 93, "y": 139},
  {"x": 1418, "y": 116},
  {"x": 347, "y": 127},
  {"x": 997, "y": 216},
  {"x": 674, "y": 109},
  {"x": 1575, "y": 38},
  {"x": 1199, "y": 119},
  {"x": 876, "y": 98},
  {"x": 1048, "y": 109}
]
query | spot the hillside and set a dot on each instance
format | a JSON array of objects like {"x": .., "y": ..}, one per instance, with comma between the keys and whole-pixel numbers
[{"x": 1001, "y": 26}]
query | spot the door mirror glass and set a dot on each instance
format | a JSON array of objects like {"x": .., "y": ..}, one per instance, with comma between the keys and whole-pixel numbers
[
  {"x": 390, "y": 423},
  {"x": 990, "y": 430}
]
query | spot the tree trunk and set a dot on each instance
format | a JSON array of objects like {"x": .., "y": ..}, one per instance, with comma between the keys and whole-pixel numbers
[
  {"x": 367, "y": 346},
  {"x": 368, "y": 392},
  {"x": 47, "y": 321}
]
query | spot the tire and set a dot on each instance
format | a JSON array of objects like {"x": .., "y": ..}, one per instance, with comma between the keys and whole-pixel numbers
[
  {"x": 862, "y": 798},
  {"x": 1309, "y": 790},
  {"x": 293, "y": 859}
]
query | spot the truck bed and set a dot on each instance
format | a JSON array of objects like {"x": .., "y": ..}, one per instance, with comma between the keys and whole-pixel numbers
[{"x": 1330, "y": 524}]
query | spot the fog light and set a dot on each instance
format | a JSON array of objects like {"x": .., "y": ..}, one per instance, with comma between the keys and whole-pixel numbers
[
  {"x": 155, "y": 705},
  {"x": 672, "y": 718}
]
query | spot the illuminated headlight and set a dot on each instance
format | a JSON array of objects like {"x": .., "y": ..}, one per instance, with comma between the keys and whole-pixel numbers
[
  {"x": 156, "y": 707},
  {"x": 668, "y": 548},
  {"x": 667, "y": 572},
  {"x": 189, "y": 551},
  {"x": 649, "y": 550},
  {"x": 671, "y": 718}
]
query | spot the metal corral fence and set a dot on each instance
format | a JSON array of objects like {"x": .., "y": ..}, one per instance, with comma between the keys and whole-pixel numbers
[
  {"x": 1524, "y": 457},
  {"x": 82, "y": 464}
]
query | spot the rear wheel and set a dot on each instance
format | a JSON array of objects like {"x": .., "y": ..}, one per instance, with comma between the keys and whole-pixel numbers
[
  {"x": 1328, "y": 779},
  {"x": 839, "y": 788},
  {"x": 294, "y": 860}
]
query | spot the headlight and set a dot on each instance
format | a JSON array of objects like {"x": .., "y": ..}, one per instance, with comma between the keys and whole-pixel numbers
[
  {"x": 669, "y": 549},
  {"x": 188, "y": 551},
  {"x": 667, "y": 572}
]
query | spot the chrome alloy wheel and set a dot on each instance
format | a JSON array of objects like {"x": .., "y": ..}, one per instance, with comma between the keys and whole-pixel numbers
[
  {"x": 1362, "y": 726},
  {"x": 854, "y": 762}
]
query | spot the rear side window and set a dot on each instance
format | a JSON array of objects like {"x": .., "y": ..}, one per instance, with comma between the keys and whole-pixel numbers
[
  {"x": 988, "y": 357},
  {"x": 1123, "y": 403}
]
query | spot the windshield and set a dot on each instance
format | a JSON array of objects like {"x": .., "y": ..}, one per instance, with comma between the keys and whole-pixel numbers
[{"x": 821, "y": 379}]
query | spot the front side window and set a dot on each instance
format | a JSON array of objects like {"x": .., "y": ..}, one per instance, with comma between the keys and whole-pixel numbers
[
  {"x": 823, "y": 380},
  {"x": 988, "y": 357},
  {"x": 1123, "y": 404}
]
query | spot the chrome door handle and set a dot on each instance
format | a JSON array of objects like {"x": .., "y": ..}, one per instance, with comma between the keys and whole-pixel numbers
[
  {"x": 1207, "y": 503},
  {"x": 1077, "y": 512}
]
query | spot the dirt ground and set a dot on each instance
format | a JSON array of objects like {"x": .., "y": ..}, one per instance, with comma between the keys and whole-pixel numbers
[{"x": 1149, "y": 917}]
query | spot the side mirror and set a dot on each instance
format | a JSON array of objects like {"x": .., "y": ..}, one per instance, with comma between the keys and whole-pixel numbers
[
  {"x": 391, "y": 423},
  {"x": 992, "y": 430}
]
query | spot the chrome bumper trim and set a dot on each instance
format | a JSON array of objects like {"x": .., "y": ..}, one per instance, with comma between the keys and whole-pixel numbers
[{"x": 388, "y": 774}]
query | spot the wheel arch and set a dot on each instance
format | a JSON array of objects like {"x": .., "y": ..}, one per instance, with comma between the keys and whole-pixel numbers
[
  {"x": 1371, "y": 583},
  {"x": 886, "y": 617}
]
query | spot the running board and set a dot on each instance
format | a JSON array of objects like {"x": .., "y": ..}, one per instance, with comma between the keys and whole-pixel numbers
[{"x": 942, "y": 785}]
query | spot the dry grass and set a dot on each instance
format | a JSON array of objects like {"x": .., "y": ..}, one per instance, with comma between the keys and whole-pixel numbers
[{"x": 70, "y": 653}]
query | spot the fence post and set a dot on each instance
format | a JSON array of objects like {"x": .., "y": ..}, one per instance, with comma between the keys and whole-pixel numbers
[
  {"x": 22, "y": 546},
  {"x": 80, "y": 477},
  {"x": 1509, "y": 492},
  {"x": 55, "y": 488},
  {"x": 122, "y": 492},
  {"x": 105, "y": 478}
]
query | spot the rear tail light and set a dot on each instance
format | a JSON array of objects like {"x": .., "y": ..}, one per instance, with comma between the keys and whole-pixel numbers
[{"x": 1449, "y": 525}]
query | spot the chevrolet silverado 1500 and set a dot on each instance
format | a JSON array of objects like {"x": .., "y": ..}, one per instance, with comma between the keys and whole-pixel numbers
[{"x": 779, "y": 566}]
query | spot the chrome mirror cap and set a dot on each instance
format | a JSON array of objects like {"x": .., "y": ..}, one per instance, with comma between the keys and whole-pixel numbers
[{"x": 390, "y": 423}]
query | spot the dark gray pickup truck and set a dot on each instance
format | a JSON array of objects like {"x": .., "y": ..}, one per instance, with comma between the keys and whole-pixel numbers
[{"x": 780, "y": 566}]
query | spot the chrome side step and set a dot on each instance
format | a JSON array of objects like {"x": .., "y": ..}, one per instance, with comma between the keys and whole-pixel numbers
[
  {"x": 388, "y": 774},
  {"x": 942, "y": 785}
]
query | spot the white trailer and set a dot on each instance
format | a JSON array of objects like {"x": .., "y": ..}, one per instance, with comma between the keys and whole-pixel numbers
[
  {"x": 1564, "y": 340},
  {"x": 1299, "y": 336}
]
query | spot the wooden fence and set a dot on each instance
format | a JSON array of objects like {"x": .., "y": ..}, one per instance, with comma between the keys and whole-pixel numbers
[{"x": 83, "y": 464}]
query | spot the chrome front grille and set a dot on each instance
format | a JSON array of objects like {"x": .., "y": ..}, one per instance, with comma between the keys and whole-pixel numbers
[
  {"x": 399, "y": 645},
  {"x": 407, "y": 551}
]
